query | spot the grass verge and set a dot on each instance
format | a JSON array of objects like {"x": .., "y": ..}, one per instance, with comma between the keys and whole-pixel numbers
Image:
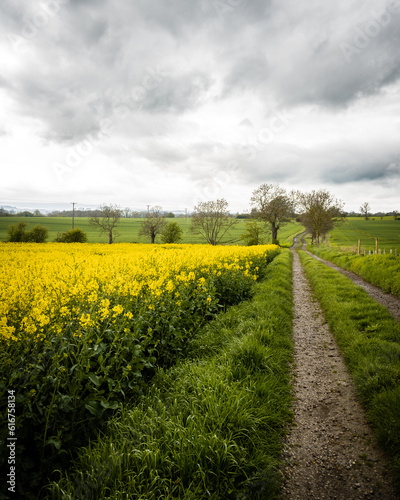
[
  {"x": 380, "y": 270},
  {"x": 370, "y": 341},
  {"x": 213, "y": 425}
]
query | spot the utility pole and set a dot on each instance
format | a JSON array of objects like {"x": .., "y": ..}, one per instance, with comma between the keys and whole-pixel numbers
[
  {"x": 73, "y": 213},
  {"x": 185, "y": 213}
]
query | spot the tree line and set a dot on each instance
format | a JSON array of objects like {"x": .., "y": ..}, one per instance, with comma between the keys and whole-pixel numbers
[
  {"x": 272, "y": 207},
  {"x": 127, "y": 213}
]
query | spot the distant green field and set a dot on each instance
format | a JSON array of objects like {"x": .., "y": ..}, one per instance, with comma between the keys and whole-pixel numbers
[
  {"x": 387, "y": 231},
  {"x": 129, "y": 228}
]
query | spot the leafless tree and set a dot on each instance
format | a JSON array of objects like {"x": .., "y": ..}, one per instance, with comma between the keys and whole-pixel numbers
[
  {"x": 107, "y": 220},
  {"x": 320, "y": 211},
  {"x": 127, "y": 212},
  {"x": 273, "y": 205},
  {"x": 153, "y": 223},
  {"x": 212, "y": 220},
  {"x": 365, "y": 209}
]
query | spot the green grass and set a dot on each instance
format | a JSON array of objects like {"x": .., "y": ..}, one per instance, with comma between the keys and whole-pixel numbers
[
  {"x": 370, "y": 341},
  {"x": 129, "y": 229},
  {"x": 213, "y": 425},
  {"x": 380, "y": 270},
  {"x": 287, "y": 233},
  {"x": 387, "y": 231}
]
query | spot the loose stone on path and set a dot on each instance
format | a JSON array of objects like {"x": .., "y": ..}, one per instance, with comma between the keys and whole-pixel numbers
[{"x": 331, "y": 453}]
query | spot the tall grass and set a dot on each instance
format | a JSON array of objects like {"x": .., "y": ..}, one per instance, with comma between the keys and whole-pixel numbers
[
  {"x": 380, "y": 270},
  {"x": 213, "y": 425},
  {"x": 370, "y": 340}
]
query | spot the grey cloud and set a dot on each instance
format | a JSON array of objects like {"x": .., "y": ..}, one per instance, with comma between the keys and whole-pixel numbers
[
  {"x": 4, "y": 82},
  {"x": 356, "y": 171},
  {"x": 95, "y": 54},
  {"x": 306, "y": 59},
  {"x": 246, "y": 123},
  {"x": 175, "y": 16},
  {"x": 247, "y": 73},
  {"x": 334, "y": 164},
  {"x": 177, "y": 94}
]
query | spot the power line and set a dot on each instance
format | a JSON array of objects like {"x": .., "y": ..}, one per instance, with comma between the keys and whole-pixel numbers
[{"x": 73, "y": 213}]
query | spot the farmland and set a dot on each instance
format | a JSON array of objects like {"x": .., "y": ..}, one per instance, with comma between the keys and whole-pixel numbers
[
  {"x": 387, "y": 231},
  {"x": 85, "y": 327},
  {"x": 128, "y": 229},
  {"x": 382, "y": 269},
  {"x": 211, "y": 426},
  {"x": 174, "y": 362}
]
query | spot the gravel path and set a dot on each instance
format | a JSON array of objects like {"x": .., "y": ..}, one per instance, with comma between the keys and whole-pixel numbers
[
  {"x": 391, "y": 302},
  {"x": 330, "y": 453}
]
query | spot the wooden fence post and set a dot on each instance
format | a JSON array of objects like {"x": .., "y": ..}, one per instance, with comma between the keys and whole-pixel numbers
[
  {"x": 376, "y": 245},
  {"x": 359, "y": 247}
]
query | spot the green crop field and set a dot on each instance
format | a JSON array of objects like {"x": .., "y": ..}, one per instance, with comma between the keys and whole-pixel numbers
[
  {"x": 387, "y": 231},
  {"x": 128, "y": 229}
]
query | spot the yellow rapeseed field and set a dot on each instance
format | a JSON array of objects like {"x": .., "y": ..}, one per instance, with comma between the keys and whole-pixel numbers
[
  {"x": 84, "y": 327},
  {"x": 47, "y": 288}
]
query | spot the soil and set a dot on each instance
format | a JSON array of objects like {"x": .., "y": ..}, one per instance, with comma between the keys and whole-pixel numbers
[{"x": 331, "y": 452}]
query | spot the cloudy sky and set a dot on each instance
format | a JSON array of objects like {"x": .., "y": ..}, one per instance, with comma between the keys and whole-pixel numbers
[{"x": 172, "y": 102}]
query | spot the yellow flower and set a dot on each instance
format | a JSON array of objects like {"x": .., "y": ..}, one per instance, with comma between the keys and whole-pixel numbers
[
  {"x": 7, "y": 332},
  {"x": 64, "y": 311},
  {"x": 118, "y": 309},
  {"x": 43, "y": 289},
  {"x": 85, "y": 321}
]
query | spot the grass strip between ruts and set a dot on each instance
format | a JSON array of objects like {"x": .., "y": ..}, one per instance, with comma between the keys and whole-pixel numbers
[
  {"x": 213, "y": 425},
  {"x": 369, "y": 338}
]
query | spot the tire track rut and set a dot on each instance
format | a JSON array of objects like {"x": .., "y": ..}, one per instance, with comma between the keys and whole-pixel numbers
[
  {"x": 391, "y": 302},
  {"x": 330, "y": 453}
]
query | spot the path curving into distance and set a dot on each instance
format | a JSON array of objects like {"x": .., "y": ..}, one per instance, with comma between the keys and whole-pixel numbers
[
  {"x": 330, "y": 453},
  {"x": 391, "y": 302}
]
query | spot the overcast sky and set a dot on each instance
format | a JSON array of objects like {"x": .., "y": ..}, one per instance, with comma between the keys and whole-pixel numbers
[{"x": 172, "y": 102}]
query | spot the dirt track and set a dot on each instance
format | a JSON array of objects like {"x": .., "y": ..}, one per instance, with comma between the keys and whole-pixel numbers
[
  {"x": 391, "y": 302},
  {"x": 331, "y": 453}
]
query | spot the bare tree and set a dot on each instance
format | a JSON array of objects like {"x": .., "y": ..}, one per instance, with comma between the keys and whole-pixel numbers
[
  {"x": 107, "y": 220},
  {"x": 395, "y": 214},
  {"x": 272, "y": 205},
  {"x": 153, "y": 223},
  {"x": 365, "y": 209},
  {"x": 127, "y": 212},
  {"x": 212, "y": 220},
  {"x": 320, "y": 212}
]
